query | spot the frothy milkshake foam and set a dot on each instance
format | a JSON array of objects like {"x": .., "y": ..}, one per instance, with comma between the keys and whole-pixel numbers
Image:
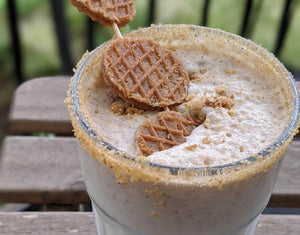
[{"x": 226, "y": 135}]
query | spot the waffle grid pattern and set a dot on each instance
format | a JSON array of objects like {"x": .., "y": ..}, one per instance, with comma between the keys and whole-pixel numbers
[
  {"x": 141, "y": 69},
  {"x": 107, "y": 12},
  {"x": 118, "y": 8},
  {"x": 164, "y": 131}
]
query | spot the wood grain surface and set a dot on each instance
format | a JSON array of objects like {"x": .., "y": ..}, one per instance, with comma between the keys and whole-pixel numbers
[
  {"x": 41, "y": 170},
  {"x": 38, "y": 106},
  {"x": 62, "y": 223},
  {"x": 46, "y": 170}
]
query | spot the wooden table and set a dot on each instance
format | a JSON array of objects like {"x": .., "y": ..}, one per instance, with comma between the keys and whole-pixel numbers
[{"x": 45, "y": 169}]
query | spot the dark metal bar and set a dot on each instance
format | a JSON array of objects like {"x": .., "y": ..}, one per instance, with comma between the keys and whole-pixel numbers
[
  {"x": 90, "y": 34},
  {"x": 57, "y": 7},
  {"x": 151, "y": 15},
  {"x": 254, "y": 15},
  {"x": 246, "y": 18},
  {"x": 205, "y": 10},
  {"x": 16, "y": 46},
  {"x": 284, "y": 24}
]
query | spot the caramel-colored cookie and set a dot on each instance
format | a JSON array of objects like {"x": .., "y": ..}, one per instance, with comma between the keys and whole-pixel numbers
[
  {"x": 164, "y": 131},
  {"x": 107, "y": 12},
  {"x": 144, "y": 74}
]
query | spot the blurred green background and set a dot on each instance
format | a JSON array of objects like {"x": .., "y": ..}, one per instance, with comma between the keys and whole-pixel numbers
[{"x": 40, "y": 52}]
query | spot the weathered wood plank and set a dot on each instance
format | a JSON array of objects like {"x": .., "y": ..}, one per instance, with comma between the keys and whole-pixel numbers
[
  {"x": 46, "y": 170},
  {"x": 278, "y": 225},
  {"x": 287, "y": 189},
  {"x": 47, "y": 223},
  {"x": 41, "y": 170},
  {"x": 60, "y": 223},
  {"x": 38, "y": 106}
]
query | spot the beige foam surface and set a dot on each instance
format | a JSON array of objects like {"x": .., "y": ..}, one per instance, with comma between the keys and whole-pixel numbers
[{"x": 246, "y": 56}]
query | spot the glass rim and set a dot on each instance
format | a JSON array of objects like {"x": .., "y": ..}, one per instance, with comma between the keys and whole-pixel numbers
[{"x": 280, "y": 140}]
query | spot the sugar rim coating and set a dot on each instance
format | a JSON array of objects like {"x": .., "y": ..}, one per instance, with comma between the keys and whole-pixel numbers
[{"x": 128, "y": 168}]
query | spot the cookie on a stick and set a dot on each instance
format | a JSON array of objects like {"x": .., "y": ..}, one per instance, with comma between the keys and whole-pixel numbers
[
  {"x": 107, "y": 12},
  {"x": 144, "y": 74},
  {"x": 163, "y": 131}
]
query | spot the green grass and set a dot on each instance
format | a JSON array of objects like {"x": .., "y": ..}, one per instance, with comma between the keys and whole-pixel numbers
[{"x": 39, "y": 47}]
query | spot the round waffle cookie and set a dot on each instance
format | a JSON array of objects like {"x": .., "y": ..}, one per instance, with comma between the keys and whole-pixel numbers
[
  {"x": 107, "y": 12},
  {"x": 163, "y": 131},
  {"x": 144, "y": 74}
]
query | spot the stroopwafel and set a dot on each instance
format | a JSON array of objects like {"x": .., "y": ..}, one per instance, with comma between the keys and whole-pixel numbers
[
  {"x": 163, "y": 131},
  {"x": 144, "y": 74},
  {"x": 107, "y": 12}
]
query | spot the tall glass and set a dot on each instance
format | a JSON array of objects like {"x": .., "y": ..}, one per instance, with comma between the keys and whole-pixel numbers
[{"x": 134, "y": 197}]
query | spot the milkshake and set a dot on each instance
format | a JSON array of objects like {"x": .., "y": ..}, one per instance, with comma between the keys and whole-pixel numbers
[{"x": 221, "y": 177}]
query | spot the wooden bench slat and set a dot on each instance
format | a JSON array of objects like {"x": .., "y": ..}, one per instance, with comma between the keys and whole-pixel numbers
[
  {"x": 61, "y": 223},
  {"x": 287, "y": 189},
  {"x": 46, "y": 170},
  {"x": 278, "y": 225},
  {"x": 41, "y": 170},
  {"x": 38, "y": 106},
  {"x": 46, "y": 223}
]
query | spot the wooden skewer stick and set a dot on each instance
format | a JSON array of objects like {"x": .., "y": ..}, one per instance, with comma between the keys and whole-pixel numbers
[{"x": 117, "y": 30}]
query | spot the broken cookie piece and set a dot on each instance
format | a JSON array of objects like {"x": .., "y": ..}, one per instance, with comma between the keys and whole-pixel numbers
[{"x": 163, "y": 131}]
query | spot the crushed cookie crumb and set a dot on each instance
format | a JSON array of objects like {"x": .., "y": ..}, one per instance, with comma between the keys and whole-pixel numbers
[
  {"x": 117, "y": 108},
  {"x": 220, "y": 101},
  {"x": 220, "y": 90},
  {"x": 191, "y": 147},
  {"x": 203, "y": 70},
  {"x": 207, "y": 123},
  {"x": 229, "y": 71},
  {"x": 196, "y": 103},
  {"x": 154, "y": 214},
  {"x": 206, "y": 140},
  {"x": 231, "y": 112},
  {"x": 120, "y": 108},
  {"x": 228, "y": 134},
  {"x": 195, "y": 76},
  {"x": 160, "y": 204}
]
